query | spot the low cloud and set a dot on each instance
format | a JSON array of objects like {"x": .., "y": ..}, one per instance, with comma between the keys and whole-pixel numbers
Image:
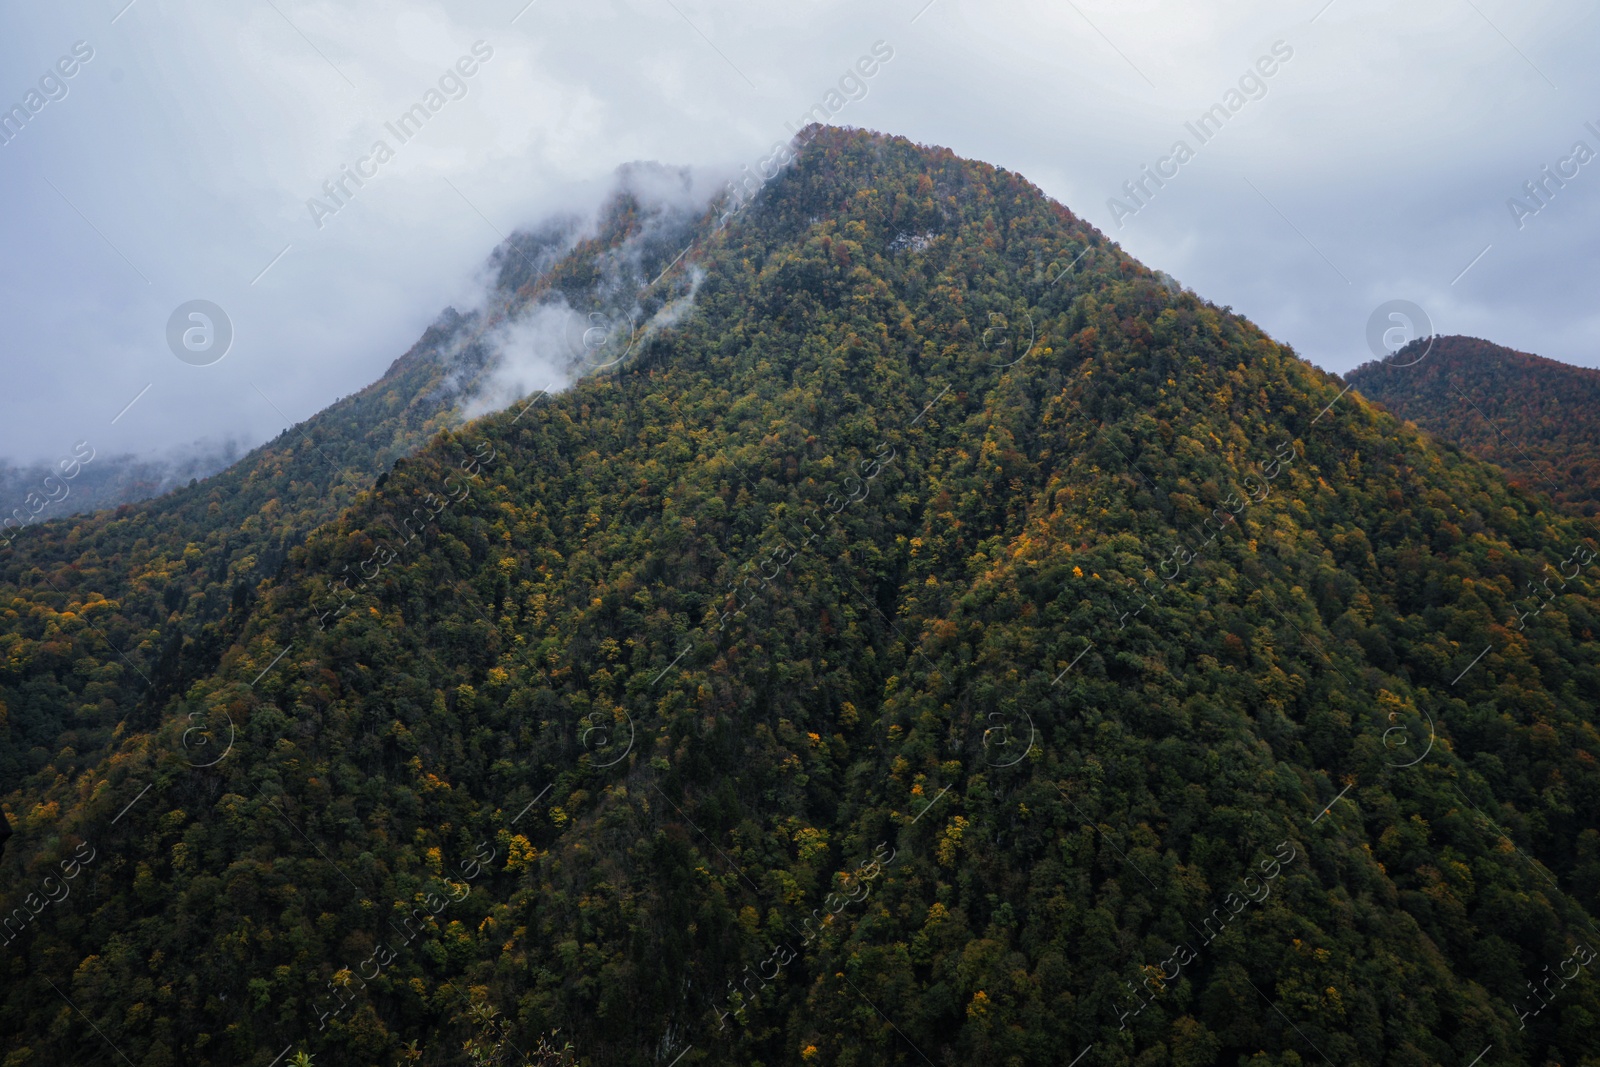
[
  {"x": 549, "y": 346},
  {"x": 527, "y": 354},
  {"x": 573, "y": 330}
]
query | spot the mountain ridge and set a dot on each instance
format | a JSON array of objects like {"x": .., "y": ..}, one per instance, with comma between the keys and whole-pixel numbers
[
  {"x": 1460, "y": 388},
  {"x": 891, "y": 661}
]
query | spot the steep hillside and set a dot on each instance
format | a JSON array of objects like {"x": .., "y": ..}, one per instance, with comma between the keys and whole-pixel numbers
[
  {"x": 1537, "y": 418},
  {"x": 145, "y": 592},
  {"x": 941, "y": 642},
  {"x": 105, "y": 618}
]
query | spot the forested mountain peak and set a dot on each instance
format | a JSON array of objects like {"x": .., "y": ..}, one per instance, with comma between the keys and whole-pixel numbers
[
  {"x": 923, "y": 635},
  {"x": 1537, "y": 418}
]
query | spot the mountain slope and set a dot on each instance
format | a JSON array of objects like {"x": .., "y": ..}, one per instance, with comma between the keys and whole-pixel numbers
[
  {"x": 106, "y": 618},
  {"x": 148, "y": 588},
  {"x": 1536, "y": 417},
  {"x": 850, "y": 675}
]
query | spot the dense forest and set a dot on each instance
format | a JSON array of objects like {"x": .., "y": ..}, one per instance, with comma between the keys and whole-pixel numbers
[
  {"x": 1535, "y": 417},
  {"x": 931, "y": 638}
]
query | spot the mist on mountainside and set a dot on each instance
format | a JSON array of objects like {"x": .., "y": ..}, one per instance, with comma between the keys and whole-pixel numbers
[
  {"x": 83, "y": 480},
  {"x": 591, "y": 318},
  {"x": 497, "y": 350}
]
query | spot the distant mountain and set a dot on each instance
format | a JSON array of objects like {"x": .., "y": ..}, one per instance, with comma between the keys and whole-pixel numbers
[
  {"x": 921, "y": 635},
  {"x": 1535, "y": 417},
  {"x": 106, "y": 481}
]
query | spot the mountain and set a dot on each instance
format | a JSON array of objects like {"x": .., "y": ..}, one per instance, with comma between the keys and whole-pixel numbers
[
  {"x": 1535, "y": 417},
  {"x": 924, "y": 635},
  {"x": 153, "y": 593},
  {"x": 104, "y": 481}
]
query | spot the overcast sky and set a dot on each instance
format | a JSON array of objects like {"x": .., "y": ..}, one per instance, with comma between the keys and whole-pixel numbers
[{"x": 1374, "y": 163}]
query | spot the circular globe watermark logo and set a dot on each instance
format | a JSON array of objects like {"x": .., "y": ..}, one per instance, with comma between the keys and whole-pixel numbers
[
  {"x": 1393, "y": 325},
  {"x": 199, "y": 332}
]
